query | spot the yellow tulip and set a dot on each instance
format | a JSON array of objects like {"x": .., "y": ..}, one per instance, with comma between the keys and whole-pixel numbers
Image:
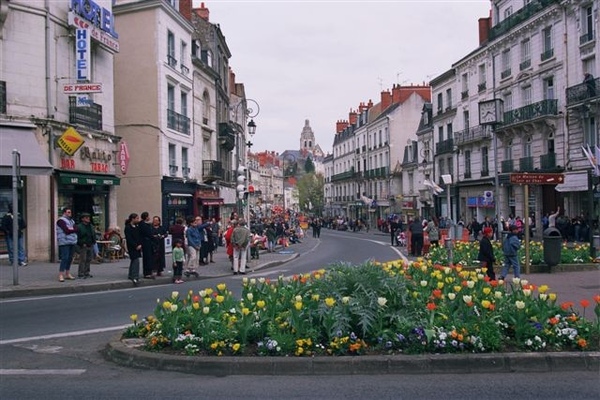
[
  {"x": 552, "y": 296},
  {"x": 315, "y": 297},
  {"x": 440, "y": 285},
  {"x": 298, "y": 305},
  {"x": 207, "y": 300},
  {"x": 220, "y": 299},
  {"x": 133, "y": 317},
  {"x": 167, "y": 305},
  {"x": 486, "y": 290},
  {"x": 330, "y": 302},
  {"x": 221, "y": 286},
  {"x": 195, "y": 306},
  {"x": 543, "y": 288},
  {"x": 485, "y": 303},
  {"x": 260, "y": 303},
  {"x": 236, "y": 347},
  {"x": 245, "y": 311}
]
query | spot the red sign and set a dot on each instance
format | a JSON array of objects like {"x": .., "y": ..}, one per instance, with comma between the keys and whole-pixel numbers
[
  {"x": 537, "y": 178},
  {"x": 123, "y": 157}
]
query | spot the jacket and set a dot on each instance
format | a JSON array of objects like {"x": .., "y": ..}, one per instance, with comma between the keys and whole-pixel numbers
[
  {"x": 66, "y": 231},
  {"x": 486, "y": 251},
  {"x": 511, "y": 245},
  {"x": 193, "y": 237},
  {"x": 85, "y": 234},
  {"x": 7, "y": 224},
  {"x": 241, "y": 237}
]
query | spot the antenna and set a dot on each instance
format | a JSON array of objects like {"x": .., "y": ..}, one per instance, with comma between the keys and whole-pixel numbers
[
  {"x": 380, "y": 83},
  {"x": 398, "y": 76}
]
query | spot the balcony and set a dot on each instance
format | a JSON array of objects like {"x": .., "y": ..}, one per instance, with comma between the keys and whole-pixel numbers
[
  {"x": 546, "y": 55},
  {"x": 586, "y": 37},
  {"x": 445, "y": 146},
  {"x": 582, "y": 92},
  {"x": 524, "y": 65},
  {"x": 185, "y": 171},
  {"x": 178, "y": 122},
  {"x": 212, "y": 170},
  {"x": 172, "y": 61},
  {"x": 485, "y": 172},
  {"x": 507, "y": 166},
  {"x": 544, "y": 108},
  {"x": 343, "y": 176},
  {"x": 464, "y": 94},
  {"x": 481, "y": 87},
  {"x": 548, "y": 161},
  {"x": 173, "y": 170},
  {"x": 184, "y": 70},
  {"x": 226, "y": 136},
  {"x": 2, "y": 97},
  {"x": 505, "y": 74},
  {"x": 520, "y": 16},
  {"x": 526, "y": 164},
  {"x": 204, "y": 121},
  {"x": 89, "y": 117},
  {"x": 471, "y": 135},
  {"x": 468, "y": 174}
]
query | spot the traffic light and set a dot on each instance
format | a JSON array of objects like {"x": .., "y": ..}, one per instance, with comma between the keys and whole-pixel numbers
[{"x": 242, "y": 179}]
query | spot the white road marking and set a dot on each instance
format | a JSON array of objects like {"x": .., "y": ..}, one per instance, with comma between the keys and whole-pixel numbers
[
  {"x": 42, "y": 371},
  {"x": 64, "y": 334},
  {"x": 41, "y": 349}
]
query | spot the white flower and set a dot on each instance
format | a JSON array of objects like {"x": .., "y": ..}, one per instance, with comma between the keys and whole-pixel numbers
[
  {"x": 250, "y": 296},
  {"x": 253, "y": 281},
  {"x": 451, "y": 296},
  {"x": 543, "y": 296},
  {"x": 202, "y": 293},
  {"x": 467, "y": 299},
  {"x": 174, "y": 294},
  {"x": 423, "y": 283},
  {"x": 520, "y": 304},
  {"x": 298, "y": 298},
  {"x": 261, "y": 280},
  {"x": 173, "y": 307},
  {"x": 447, "y": 270},
  {"x": 381, "y": 301},
  {"x": 205, "y": 310},
  {"x": 345, "y": 299},
  {"x": 527, "y": 292},
  {"x": 516, "y": 280},
  {"x": 498, "y": 294},
  {"x": 470, "y": 284}
]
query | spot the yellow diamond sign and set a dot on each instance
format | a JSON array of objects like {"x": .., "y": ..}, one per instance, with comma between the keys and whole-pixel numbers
[{"x": 70, "y": 141}]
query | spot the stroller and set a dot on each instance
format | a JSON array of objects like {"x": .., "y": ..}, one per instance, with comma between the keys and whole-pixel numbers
[{"x": 401, "y": 237}]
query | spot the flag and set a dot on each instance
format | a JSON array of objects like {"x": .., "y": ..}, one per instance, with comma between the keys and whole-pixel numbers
[
  {"x": 435, "y": 188},
  {"x": 592, "y": 157}
]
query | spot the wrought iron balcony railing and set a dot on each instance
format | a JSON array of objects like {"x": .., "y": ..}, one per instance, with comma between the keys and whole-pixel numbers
[
  {"x": 89, "y": 117},
  {"x": 173, "y": 170},
  {"x": 481, "y": 87},
  {"x": 548, "y": 161},
  {"x": 583, "y": 91},
  {"x": 526, "y": 164},
  {"x": 531, "y": 112},
  {"x": 520, "y": 16},
  {"x": 547, "y": 55},
  {"x": 524, "y": 65},
  {"x": 172, "y": 61},
  {"x": 468, "y": 174},
  {"x": 471, "y": 135},
  {"x": 445, "y": 146},
  {"x": 178, "y": 122},
  {"x": 343, "y": 176},
  {"x": 507, "y": 166},
  {"x": 464, "y": 94},
  {"x": 586, "y": 37},
  {"x": 2, "y": 97},
  {"x": 212, "y": 170}
]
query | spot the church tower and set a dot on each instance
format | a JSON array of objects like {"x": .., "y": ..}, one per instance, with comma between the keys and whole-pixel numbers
[{"x": 307, "y": 138}]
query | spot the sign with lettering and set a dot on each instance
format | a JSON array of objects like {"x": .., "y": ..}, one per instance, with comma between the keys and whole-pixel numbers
[
  {"x": 99, "y": 17},
  {"x": 526, "y": 178},
  {"x": 75, "y": 88},
  {"x": 82, "y": 54},
  {"x": 70, "y": 141},
  {"x": 123, "y": 157}
]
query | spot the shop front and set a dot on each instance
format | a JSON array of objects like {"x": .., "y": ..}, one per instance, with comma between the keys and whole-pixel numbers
[
  {"x": 209, "y": 203},
  {"x": 177, "y": 200}
]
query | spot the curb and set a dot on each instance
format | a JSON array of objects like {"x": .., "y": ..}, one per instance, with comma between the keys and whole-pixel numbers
[{"x": 125, "y": 353}]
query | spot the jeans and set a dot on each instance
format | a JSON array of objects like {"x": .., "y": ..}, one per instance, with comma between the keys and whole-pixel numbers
[
  {"x": 65, "y": 252},
  {"x": 511, "y": 261},
  {"x": 21, "y": 251}
]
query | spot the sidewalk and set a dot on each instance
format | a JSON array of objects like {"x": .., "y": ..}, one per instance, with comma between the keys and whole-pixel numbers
[{"x": 41, "y": 278}]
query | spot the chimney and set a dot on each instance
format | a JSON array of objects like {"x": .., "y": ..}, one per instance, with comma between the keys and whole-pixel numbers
[
  {"x": 340, "y": 125},
  {"x": 185, "y": 9},
  {"x": 484, "y": 29},
  {"x": 231, "y": 81},
  {"x": 362, "y": 107},
  {"x": 352, "y": 117},
  {"x": 396, "y": 94},
  {"x": 202, "y": 12},
  {"x": 386, "y": 99},
  {"x": 369, "y": 104}
]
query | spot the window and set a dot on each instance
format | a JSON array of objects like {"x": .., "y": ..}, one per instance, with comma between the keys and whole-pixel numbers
[
  {"x": 508, "y": 153},
  {"x": 526, "y": 95},
  {"x": 508, "y": 12},
  {"x": 465, "y": 83},
  {"x": 506, "y": 61},
  {"x": 590, "y": 132},
  {"x": 547, "y": 45},
  {"x": 450, "y": 166},
  {"x": 549, "y": 89},
  {"x": 481, "y": 86},
  {"x": 440, "y": 134},
  {"x": 508, "y": 101},
  {"x": 184, "y": 104},
  {"x": 380, "y": 137},
  {"x": 171, "y": 49},
  {"x": 205, "y": 108},
  {"x": 185, "y": 169},
  {"x": 527, "y": 147},
  {"x": 525, "y": 54},
  {"x": 411, "y": 181},
  {"x": 182, "y": 57},
  {"x": 449, "y": 99},
  {"x": 172, "y": 160},
  {"x": 440, "y": 101},
  {"x": 485, "y": 160},
  {"x": 466, "y": 119},
  {"x": 449, "y": 131},
  {"x": 587, "y": 21},
  {"x": 171, "y": 97},
  {"x": 467, "y": 163}
]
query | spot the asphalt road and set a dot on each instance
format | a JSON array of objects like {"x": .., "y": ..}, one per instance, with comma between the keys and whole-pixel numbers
[{"x": 51, "y": 349}]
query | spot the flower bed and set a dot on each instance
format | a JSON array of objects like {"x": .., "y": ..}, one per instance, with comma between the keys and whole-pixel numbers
[
  {"x": 467, "y": 252},
  {"x": 373, "y": 308}
]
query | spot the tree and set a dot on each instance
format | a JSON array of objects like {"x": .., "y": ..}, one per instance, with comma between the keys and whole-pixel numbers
[
  {"x": 310, "y": 193},
  {"x": 309, "y": 166}
]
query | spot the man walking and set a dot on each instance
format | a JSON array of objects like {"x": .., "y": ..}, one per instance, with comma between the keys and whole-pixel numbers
[
  {"x": 510, "y": 249},
  {"x": 240, "y": 239},
  {"x": 7, "y": 227}
]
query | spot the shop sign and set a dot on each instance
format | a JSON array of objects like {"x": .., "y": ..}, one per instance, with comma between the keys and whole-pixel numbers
[
  {"x": 82, "y": 54},
  {"x": 123, "y": 157},
  {"x": 77, "y": 88},
  {"x": 79, "y": 179},
  {"x": 70, "y": 141},
  {"x": 99, "y": 22},
  {"x": 99, "y": 159}
]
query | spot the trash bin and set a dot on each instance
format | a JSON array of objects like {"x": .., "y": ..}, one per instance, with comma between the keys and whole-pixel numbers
[{"x": 552, "y": 246}]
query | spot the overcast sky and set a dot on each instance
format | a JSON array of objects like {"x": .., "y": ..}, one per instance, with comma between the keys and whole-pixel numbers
[{"x": 316, "y": 60}]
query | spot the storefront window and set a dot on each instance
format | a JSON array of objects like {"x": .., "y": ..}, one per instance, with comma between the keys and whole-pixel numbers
[{"x": 86, "y": 198}]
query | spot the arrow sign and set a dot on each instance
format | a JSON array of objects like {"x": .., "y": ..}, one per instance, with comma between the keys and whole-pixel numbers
[{"x": 537, "y": 178}]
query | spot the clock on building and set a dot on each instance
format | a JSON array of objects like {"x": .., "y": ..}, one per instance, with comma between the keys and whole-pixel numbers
[{"x": 491, "y": 112}]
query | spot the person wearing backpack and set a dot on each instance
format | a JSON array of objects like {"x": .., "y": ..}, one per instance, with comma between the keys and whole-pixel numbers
[
  {"x": 510, "y": 249},
  {"x": 433, "y": 233}
]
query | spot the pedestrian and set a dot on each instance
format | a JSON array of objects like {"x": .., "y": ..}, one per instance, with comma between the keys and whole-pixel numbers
[
  {"x": 510, "y": 249},
  {"x": 590, "y": 84},
  {"x": 204, "y": 245},
  {"x": 146, "y": 234},
  {"x": 394, "y": 226},
  {"x": 133, "y": 240},
  {"x": 159, "y": 233},
  {"x": 486, "y": 253},
  {"x": 86, "y": 238},
  {"x": 192, "y": 235},
  {"x": 240, "y": 239},
  {"x": 178, "y": 258},
  {"x": 66, "y": 237},
  {"x": 271, "y": 237},
  {"x": 416, "y": 239},
  {"x": 433, "y": 233},
  {"x": 227, "y": 236},
  {"x": 177, "y": 232},
  {"x": 7, "y": 227},
  {"x": 552, "y": 218}
]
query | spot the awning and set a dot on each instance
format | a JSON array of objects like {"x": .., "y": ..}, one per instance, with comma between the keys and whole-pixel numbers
[
  {"x": 575, "y": 182},
  {"x": 180, "y": 194},
  {"x": 211, "y": 202},
  {"x": 33, "y": 160},
  {"x": 70, "y": 178}
]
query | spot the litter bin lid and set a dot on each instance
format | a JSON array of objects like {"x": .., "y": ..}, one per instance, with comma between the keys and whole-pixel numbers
[{"x": 552, "y": 231}]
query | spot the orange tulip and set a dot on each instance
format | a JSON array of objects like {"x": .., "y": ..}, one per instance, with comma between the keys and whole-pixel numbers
[
  {"x": 431, "y": 306},
  {"x": 585, "y": 303}
]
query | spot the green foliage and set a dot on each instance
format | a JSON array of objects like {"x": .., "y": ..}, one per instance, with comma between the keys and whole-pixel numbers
[
  {"x": 310, "y": 192},
  {"x": 309, "y": 166}
]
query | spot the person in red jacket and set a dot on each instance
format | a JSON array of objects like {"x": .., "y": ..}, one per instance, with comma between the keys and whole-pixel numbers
[{"x": 227, "y": 237}]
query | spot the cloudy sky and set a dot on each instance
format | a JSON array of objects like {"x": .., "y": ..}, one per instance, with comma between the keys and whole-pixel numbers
[{"x": 316, "y": 60}]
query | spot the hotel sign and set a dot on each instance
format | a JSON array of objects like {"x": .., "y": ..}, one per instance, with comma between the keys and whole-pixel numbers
[
  {"x": 78, "y": 88},
  {"x": 98, "y": 21}
]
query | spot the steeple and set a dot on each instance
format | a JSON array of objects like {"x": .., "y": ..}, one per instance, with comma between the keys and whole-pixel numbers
[{"x": 307, "y": 138}]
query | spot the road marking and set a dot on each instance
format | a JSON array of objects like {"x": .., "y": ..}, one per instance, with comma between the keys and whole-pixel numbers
[
  {"x": 42, "y": 371},
  {"x": 64, "y": 334}
]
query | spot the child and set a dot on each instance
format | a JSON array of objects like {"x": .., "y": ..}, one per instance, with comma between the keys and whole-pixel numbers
[{"x": 178, "y": 258}]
